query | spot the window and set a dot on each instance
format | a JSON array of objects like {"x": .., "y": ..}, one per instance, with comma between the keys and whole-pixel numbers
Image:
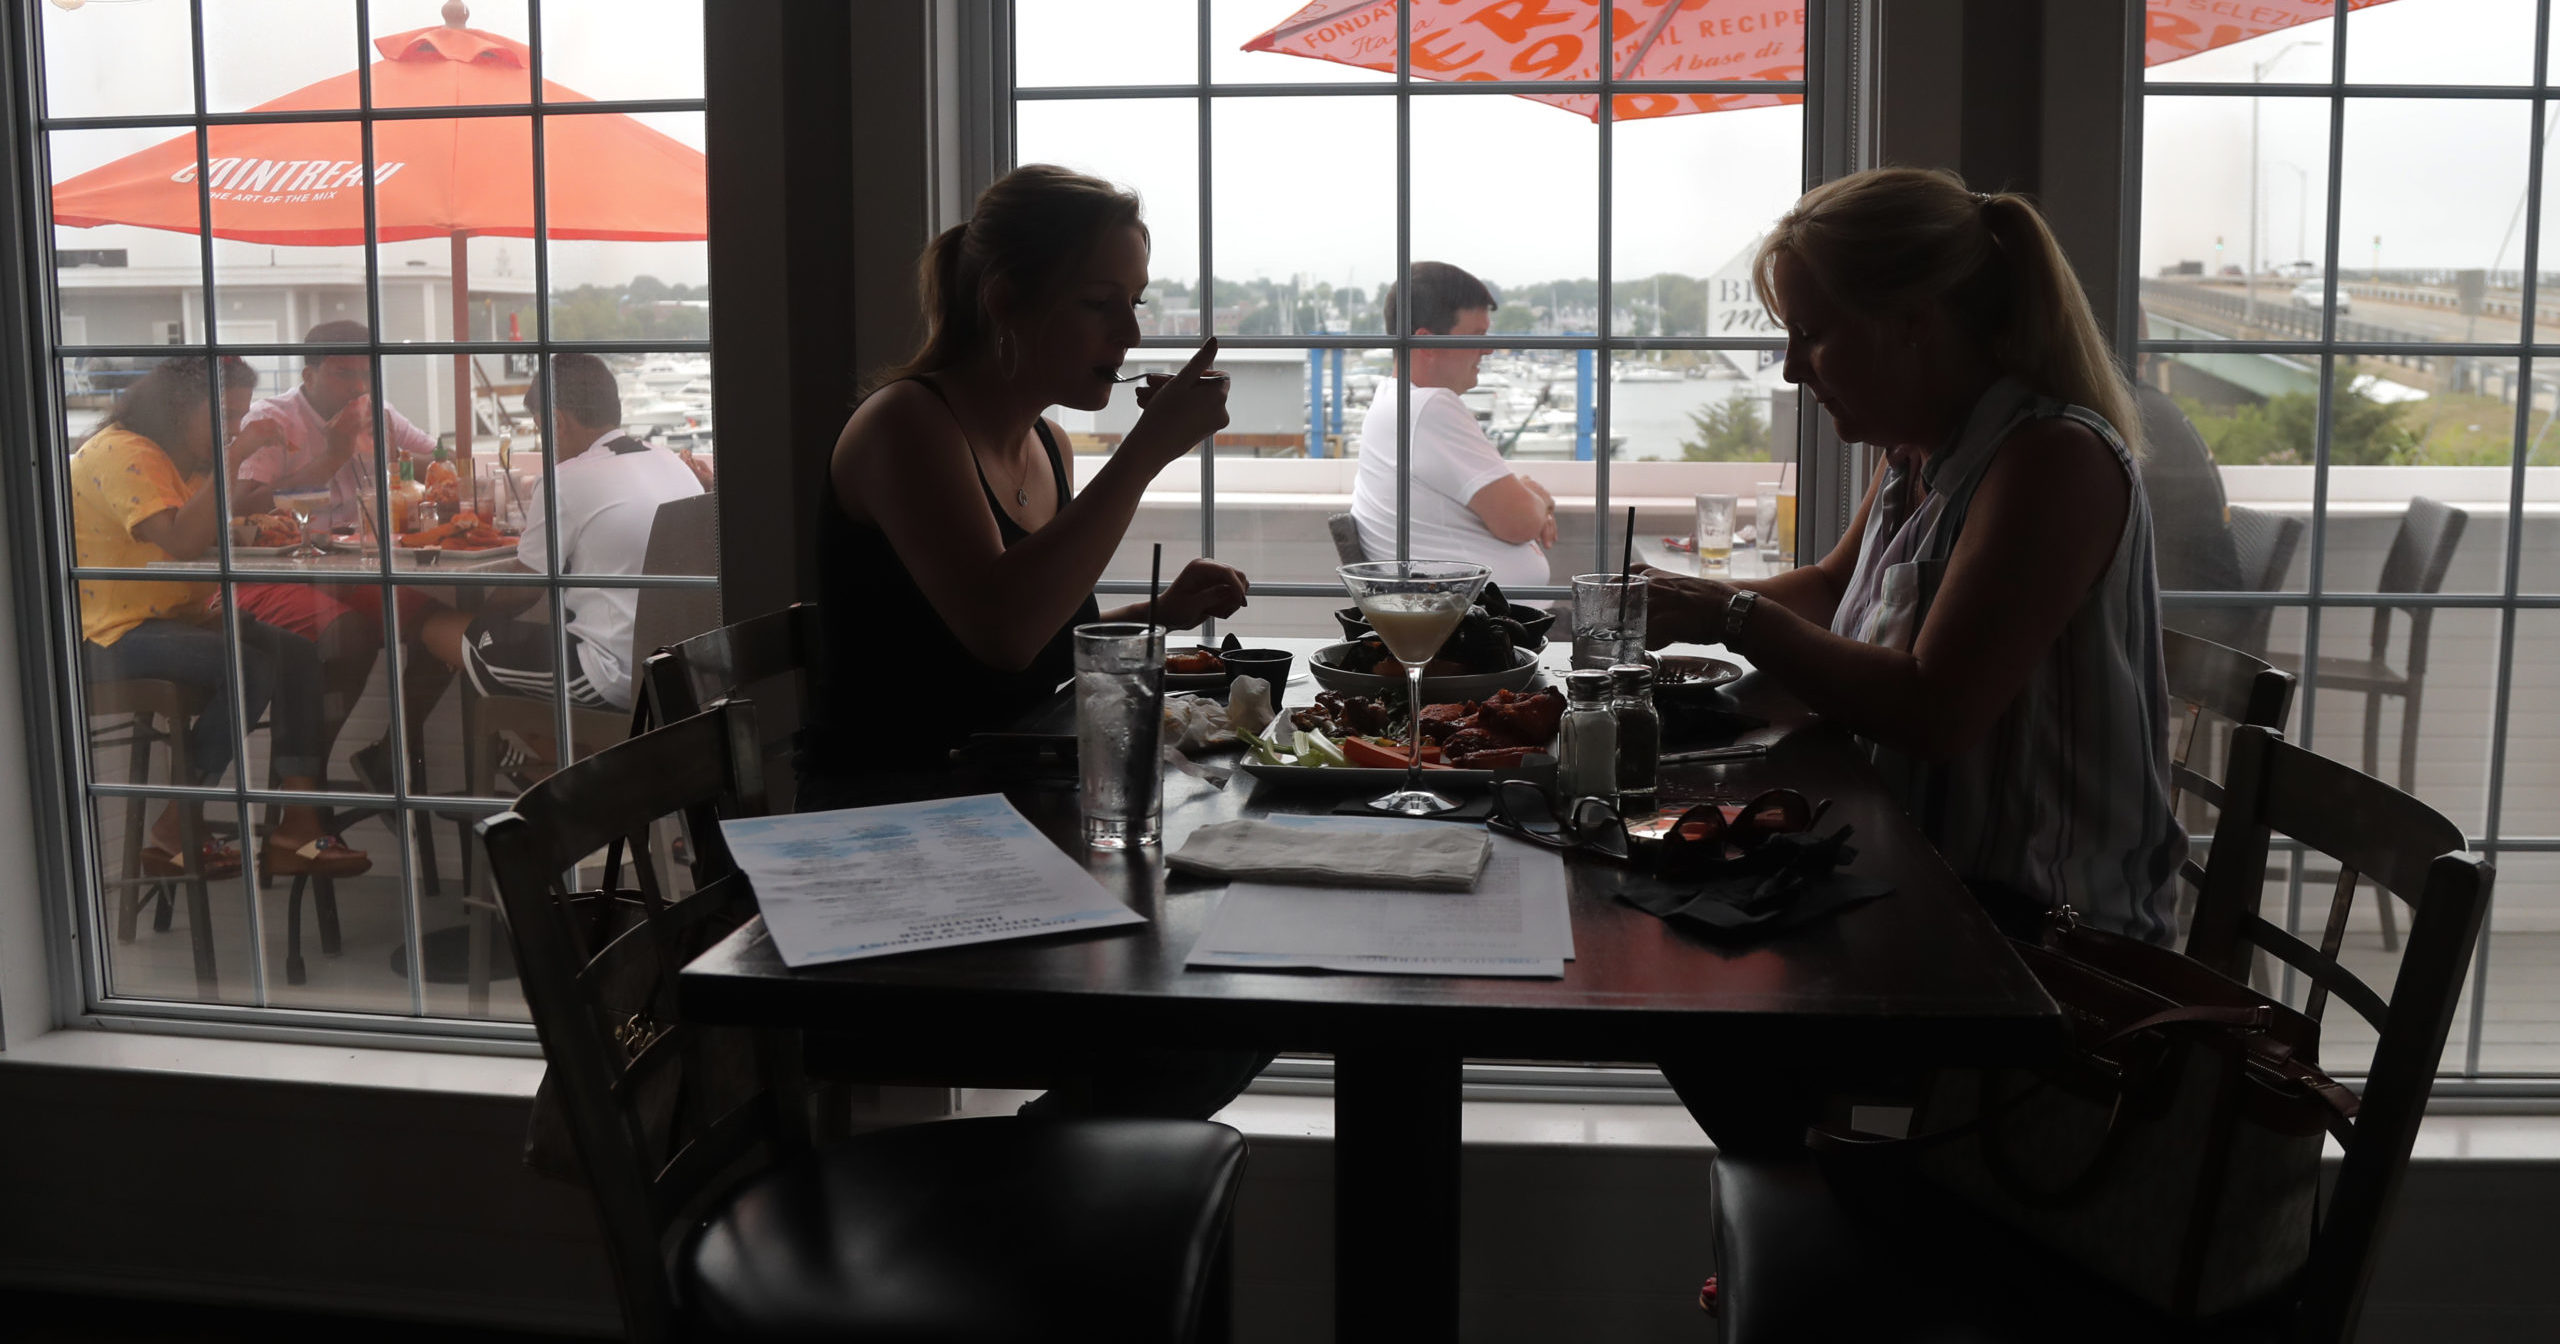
[
  {"x": 490, "y": 218},
  {"x": 1289, "y": 179},
  {"x": 2346, "y": 326}
]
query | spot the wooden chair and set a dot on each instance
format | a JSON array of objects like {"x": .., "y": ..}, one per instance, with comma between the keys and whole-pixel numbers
[
  {"x": 1346, "y": 538},
  {"x": 683, "y": 539},
  {"x": 741, "y": 659},
  {"x": 2420, "y": 555},
  {"x": 2213, "y": 689},
  {"x": 151, "y": 713},
  {"x": 721, "y": 1218},
  {"x": 1799, "y": 1256}
]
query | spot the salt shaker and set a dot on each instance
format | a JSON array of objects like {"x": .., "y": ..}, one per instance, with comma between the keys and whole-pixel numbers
[
  {"x": 1587, "y": 766},
  {"x": 1639, "y": 727}
]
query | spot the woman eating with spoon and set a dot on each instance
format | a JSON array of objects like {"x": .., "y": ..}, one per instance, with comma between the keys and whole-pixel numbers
[{"x": 953, "y": 551}]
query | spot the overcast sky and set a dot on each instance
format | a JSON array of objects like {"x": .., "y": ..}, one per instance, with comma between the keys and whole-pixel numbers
[{"x": 1501, "y": 185}]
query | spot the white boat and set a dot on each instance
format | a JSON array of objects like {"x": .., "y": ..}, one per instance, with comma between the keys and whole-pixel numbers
[
  {"x": 664, "y": 414},
  {"x": 1644, "y": 373},
  {"x": 666, "y": 375}
]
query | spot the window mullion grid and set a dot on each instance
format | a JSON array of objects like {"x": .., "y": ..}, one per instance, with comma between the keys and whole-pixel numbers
[
  {"x": 221, "y": 485},
  {"x": 412, "y": 932},
  {"x": 1604, "y": 388},
  {"x": 553, "y": 553},
  {"x": 2494, "y": 822},
  {"x": 1208, "y": 268},
  {"x": 1400, "y": 328},
  {"x": 2321, "y": 424}
]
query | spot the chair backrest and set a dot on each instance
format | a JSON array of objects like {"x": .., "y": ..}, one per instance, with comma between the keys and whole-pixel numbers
[
  {"x": 684, "y": 676},
  {"x": 1346, "y": 538},
  {"x": 2415, "y": 855},
  {"x": 2214, "y": 689},
  {"x": 2265, "y": 543},
  {"x": 664, "y": 1115},
  {"x": 684, "y": 538},
  {"x": 2421, "y": 554}
]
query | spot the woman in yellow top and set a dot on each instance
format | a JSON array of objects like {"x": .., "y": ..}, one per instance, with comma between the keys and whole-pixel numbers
[{"x": 140, "y": 493}]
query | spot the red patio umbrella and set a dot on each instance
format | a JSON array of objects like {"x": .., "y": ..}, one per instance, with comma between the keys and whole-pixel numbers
[
  {"x": 302, "y": 183},
  {"x": 1559, "y": 40}
]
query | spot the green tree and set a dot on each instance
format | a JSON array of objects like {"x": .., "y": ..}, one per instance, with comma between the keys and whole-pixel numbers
[
  {"x": 1515, "y": 318},
  {"x": 2280, "y": 431},
  {"x": 1734, "y": 431}
]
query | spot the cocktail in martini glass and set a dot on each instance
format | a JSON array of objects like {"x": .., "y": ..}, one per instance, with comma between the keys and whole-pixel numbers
[
  {"x": 1414, "y": 605},
  {"x": 303, "y": 504}
]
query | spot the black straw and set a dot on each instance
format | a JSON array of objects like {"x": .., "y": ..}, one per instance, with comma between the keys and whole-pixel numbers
[
  {"x": 1155, "y": 580},
  {"x": 1626, "y": 570}
]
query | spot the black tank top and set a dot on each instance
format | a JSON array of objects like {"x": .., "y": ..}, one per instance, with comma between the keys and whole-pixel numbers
[{"x": 896, "y": 689}]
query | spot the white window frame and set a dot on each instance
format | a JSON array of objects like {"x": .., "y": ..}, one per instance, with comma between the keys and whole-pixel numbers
[{"x": 2462, "y": 1085}]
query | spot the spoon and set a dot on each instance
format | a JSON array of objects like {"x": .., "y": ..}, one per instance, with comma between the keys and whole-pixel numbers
[{"x": 1209, "y": 375}]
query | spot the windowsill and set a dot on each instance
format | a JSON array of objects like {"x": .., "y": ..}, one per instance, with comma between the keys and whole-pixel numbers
[
  {"x": 281, "y": 1062},
  {"x": 1264, "y": 1115}
]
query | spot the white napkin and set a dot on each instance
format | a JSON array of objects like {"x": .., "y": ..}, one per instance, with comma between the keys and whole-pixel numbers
[{"x": 1427, "y": 856}]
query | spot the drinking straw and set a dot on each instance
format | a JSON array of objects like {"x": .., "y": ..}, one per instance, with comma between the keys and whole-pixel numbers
[
  {"x": 1626, "y": 570},
  {"x": 1155, "y": 579}
]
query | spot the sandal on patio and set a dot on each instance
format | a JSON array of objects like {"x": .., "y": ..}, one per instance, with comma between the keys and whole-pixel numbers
[
  {"x": 213, "y": 859},
  {"x": 327, "y": 856}
]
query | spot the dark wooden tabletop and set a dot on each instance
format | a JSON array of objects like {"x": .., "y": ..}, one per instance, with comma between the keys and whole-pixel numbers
[{"x": 1919, "y": 975}]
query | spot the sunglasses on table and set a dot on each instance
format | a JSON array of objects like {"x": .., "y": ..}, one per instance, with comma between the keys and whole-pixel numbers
[{"x": 1521, "y": 808}]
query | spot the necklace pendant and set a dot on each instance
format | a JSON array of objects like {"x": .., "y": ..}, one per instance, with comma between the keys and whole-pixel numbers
[{"x": 1022, "y": 499}]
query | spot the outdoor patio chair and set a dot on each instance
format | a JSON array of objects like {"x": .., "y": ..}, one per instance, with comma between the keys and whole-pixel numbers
[
  {"x": 2265, "y": 543},
  {"x": 2421, "y": 553},
  {"x": 148, "y": 713},
  {"x": 1346, "y": 538},
  {"x": 1804, "y": 1250},
  {"x": 721, "y": 1217}
]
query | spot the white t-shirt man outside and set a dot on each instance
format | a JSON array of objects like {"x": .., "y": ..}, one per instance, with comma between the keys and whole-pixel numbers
[
  {"x": 609, "y": 498},
  {"x": 306, "y": 438},
  {"x": 1452, "y": 462}
]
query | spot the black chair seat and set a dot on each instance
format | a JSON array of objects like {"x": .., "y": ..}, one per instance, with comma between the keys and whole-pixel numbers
[
  {"x": 964, "y": 1230},
  {"x": 2349, "y": 674},
  {"x": 1849, "y": 1250}
]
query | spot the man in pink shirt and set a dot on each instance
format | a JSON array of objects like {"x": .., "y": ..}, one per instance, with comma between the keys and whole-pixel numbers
[{"x": 325, "y": 433}]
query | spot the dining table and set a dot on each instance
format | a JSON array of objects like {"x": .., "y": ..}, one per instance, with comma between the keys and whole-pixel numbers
[{"x": 1917, "y": 978}]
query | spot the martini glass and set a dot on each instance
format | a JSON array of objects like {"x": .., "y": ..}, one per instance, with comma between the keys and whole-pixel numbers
[
  {"x": 302, "y": 504},
  {"x": 1413, "y": 605}
]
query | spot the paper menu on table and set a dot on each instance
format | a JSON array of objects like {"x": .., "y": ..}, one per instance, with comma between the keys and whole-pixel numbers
[
  {"x": 870, "y": 881},
  {"x": 1517, "y": 921}
]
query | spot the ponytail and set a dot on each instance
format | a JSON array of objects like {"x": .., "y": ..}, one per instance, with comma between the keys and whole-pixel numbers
[
  {"x": 1898, "y": 239},
  {"x": 1028, "y": 229}
]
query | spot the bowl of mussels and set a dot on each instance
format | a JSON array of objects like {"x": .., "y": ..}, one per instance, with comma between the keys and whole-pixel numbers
[{"x": 1491, "y": 650}]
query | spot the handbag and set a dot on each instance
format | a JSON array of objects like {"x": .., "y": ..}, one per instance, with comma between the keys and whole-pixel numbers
[{"x": 2173, "y": 1149}]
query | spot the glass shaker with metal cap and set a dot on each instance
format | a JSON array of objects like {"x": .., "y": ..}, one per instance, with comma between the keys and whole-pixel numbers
[
  {"x": 1587, "y": 750},
  {"x": 1639, "y": 728}
]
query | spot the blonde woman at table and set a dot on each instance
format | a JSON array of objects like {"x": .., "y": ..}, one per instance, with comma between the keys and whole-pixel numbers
[
  {"x": 142, "y": 494},
  {"x": 953, "y": 551},
  {"x": 1990, "y": 624}
]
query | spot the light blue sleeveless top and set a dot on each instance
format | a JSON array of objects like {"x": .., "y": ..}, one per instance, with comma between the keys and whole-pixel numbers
[{"x": 2066, "y": 799}]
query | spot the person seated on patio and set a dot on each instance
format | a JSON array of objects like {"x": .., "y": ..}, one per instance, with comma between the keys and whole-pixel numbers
[
  {"x": 1465, "y": 501},
  {"x": 2190, "y": 515},
  {"x": 1989, "y": 625},
  {"x": 141, "y": 493},
  {"x": 610, "y": 488},
  {"x": 954, "y": 556},
  {"x": 323, "y": 438}
]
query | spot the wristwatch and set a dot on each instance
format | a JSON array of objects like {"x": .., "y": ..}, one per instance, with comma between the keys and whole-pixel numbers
[{"x": 1737, "y": 609}]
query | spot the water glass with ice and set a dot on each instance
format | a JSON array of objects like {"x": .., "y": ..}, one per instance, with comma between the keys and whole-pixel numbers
[
  {"x": 1608, "y": 620},
  {"x": 1119, "y": 726}
]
